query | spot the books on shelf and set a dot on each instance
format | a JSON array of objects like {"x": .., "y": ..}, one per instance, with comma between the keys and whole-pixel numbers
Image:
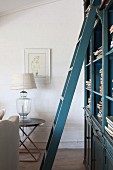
[
  {"x": 90, "y": 59},
  {"x": 109, "y": 120},
  {"x": 89, "y": 102},
  {"x": 111, "y": 46},
  {"x": 111, "y": 29},
  {"x": 98, "y": 53},
  {"x": 99, "y": 107},
  {"x": 87, "y": 11},
  {"x": 109, "y": 127},
  {"x": 88, "y": 84},
  {"x": 101, "y": 77},
  {"x": 111, "y": 32}
]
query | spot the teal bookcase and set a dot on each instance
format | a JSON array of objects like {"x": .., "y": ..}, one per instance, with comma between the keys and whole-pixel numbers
[{"x": 98, "y": 152}]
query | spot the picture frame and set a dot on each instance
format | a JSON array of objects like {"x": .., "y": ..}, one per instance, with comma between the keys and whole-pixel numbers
[{"x": 37, "y": 61}]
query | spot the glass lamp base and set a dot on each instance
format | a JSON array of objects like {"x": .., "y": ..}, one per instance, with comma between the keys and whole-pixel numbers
[
  {"x": 24, "y": 119},
  {"x": 23, "y": 105}
]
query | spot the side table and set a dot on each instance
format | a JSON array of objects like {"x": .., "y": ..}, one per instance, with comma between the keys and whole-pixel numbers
[{"x": 32, "y": 123}]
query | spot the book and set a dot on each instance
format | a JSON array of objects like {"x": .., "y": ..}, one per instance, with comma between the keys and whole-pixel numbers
[
  {"x": 88, "y": 84},
  {"x": 109, "y": 131},
  {"x": 87, "y": 11},
  {"x": 98, "y": 52},
  {"x": 111, "y": 29},
  {"x": 110, "y": 127},
  {"x": 109, "y": 119},
  {"x": 89, "y": 102}
]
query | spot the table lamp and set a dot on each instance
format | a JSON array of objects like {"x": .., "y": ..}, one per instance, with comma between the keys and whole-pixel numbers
[{"x": 22, "y": 82}]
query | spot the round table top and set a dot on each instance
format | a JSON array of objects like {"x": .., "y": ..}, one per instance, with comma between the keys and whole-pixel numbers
[{"x": 31, "y": 122}]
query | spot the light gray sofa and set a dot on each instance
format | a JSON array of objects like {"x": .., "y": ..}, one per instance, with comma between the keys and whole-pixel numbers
[{"x": 9, "y": 143}]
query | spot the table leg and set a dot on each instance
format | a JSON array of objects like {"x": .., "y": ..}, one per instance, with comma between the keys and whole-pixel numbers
[
  {"x": 27, "y": 137},
  {"x": 28, "y": 152}
]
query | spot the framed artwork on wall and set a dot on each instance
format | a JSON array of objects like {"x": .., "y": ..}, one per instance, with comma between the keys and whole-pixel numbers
[{"x": 37, "y": 61}]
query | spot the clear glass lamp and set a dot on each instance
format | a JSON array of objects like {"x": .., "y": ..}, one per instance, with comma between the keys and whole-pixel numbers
[{"x": 23, "y": 104}]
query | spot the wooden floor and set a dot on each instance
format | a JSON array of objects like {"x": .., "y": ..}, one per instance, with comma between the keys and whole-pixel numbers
[{"x": 66, "y": 159}]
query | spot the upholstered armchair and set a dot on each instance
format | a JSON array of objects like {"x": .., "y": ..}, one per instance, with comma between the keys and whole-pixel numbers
[{"x": 9, "y": 143}]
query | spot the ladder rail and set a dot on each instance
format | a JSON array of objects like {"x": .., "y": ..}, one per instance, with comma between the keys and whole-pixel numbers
[{"x": 69, "y": 91}]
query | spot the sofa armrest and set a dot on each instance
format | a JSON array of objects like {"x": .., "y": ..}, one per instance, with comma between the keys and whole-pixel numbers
[{"x": 9, "y": 143}]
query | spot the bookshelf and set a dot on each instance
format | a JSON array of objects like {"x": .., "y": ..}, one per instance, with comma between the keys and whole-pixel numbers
[{"x": 98, "y": 104}]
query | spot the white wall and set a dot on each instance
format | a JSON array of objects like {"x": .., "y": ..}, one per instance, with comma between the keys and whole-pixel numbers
[{"x": 56, "y": 26}]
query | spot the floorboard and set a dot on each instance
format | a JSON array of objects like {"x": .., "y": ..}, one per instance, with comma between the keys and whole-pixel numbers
[{"x": 66, "y": 159}]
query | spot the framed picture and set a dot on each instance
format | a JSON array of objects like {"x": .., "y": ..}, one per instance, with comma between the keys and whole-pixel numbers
[{"x": 37, "y": 61}]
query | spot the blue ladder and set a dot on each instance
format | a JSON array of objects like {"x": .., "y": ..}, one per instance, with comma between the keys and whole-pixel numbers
[{"x": 68, "y": 91}]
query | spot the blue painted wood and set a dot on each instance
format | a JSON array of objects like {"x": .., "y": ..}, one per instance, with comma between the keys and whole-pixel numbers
[
  {"x": 100, "y": 15},
  {"x": 109, "y": 161},
  {"x": 68, "y": 93},
  {"x": 105, "y": 68},
  {"x": 96, "y": 2},
  {"x": 92, "y": 72},
  {"x": 105, "y": 162},
  {"x": 98, "y": 154},
  {"x": 110, "y": 63}
]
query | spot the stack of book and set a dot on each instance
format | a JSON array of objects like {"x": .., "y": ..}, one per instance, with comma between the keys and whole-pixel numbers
[
  {"x": 99, "y": 107},
  {"x": 89, "y": 103},
  {"x": 88, "y": 84},
  {"x": 111, "y": 32},
  {"x": 87, "y": 11},
  {"x": 100, "y": 87},
  {"x": 111, "y": 29},
  {"x": 98, "y": 53},
  {"x": 109, "y": 127}
]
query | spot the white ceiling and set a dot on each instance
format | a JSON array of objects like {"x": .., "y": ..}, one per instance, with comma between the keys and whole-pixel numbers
[{"x": 8, "y": 6}]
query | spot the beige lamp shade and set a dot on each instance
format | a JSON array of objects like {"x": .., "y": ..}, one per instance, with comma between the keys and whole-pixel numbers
[{"x": 23, "y": 81}]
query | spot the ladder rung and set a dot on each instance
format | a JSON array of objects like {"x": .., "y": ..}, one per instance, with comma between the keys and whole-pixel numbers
[
  {"x": 62, "y": 98},
  {"x": 71, "y": 68},
  {"x": 79, "y": 39}
]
